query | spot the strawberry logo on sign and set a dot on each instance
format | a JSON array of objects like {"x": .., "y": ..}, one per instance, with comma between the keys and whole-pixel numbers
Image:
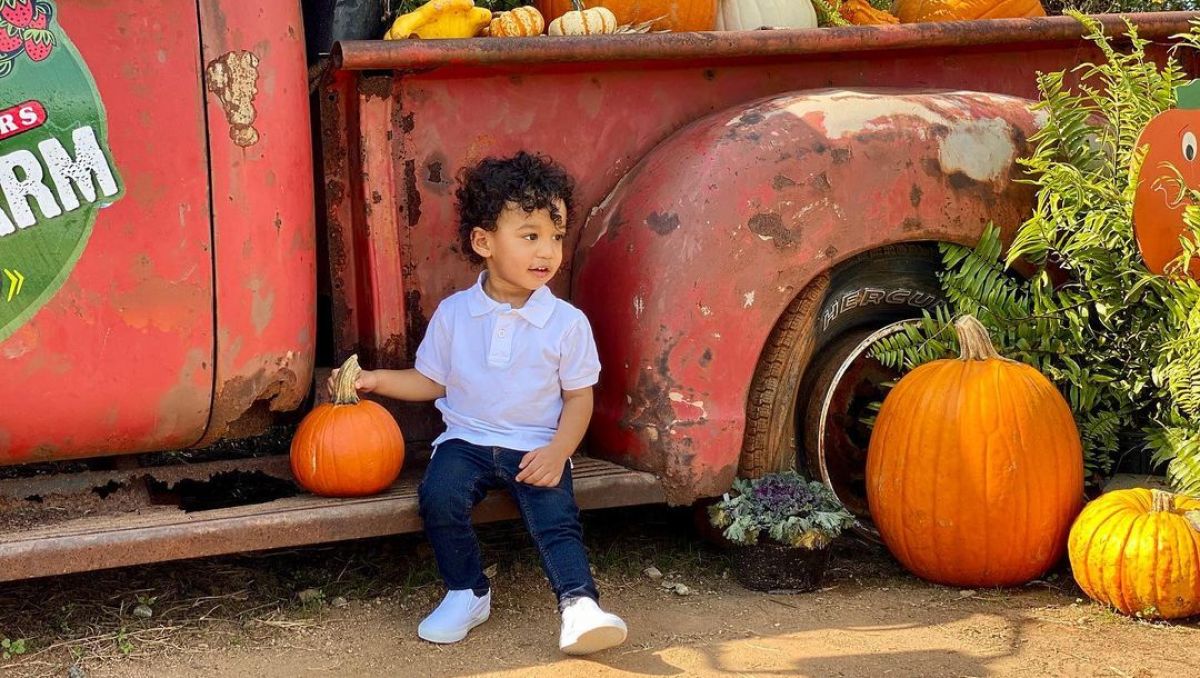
[
  {"x": 25, "y": 29},
  {"x": 56, "y": 170}
]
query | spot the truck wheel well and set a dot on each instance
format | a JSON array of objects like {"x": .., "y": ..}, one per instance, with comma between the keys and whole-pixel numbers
[{"x": 813, "y": 337}]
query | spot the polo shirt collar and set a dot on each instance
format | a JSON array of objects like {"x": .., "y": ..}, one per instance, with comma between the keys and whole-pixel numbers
[{"x": 537, "y": 308}]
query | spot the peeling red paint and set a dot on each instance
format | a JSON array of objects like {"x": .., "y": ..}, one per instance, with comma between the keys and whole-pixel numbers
[
  {"x": 265, "y": 252},
  {"x": 233, "y": 79}
]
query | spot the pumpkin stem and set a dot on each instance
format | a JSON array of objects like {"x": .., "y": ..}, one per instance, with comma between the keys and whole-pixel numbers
[
  {"x": 577, "y": 5},
  {"x": 344, "y": 392},
  {"x": 973, "y": 340},
  {"x": 1161, "y": 501}
]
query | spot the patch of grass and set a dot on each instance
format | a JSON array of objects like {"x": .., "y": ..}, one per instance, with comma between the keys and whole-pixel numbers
[{"x": 12, "y": 647}]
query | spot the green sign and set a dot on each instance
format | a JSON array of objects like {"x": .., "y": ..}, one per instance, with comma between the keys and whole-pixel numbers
[{"x": 56, "y": 171}]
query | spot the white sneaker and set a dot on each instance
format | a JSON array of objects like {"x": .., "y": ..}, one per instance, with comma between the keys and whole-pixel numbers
[
  {"x": 587, "y": 629},
  {"x": 459, "y": 612}
]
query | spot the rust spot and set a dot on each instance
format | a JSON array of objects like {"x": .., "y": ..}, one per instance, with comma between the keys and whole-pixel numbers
[
  {"x": 376, "y": 197},
  {"x": 781, "y": 182},
  {"x": 233, "y": 78},
  {"x": 840, "y": 155},
  {"x": 769, "y": 226},
  {"x": 821, "y": 182},
  {"x": 417, "y": 322},
  {"x": 375, "y": 86},
  {"x": 435, "y": 172},
  {"x": 830, "y": 252},
  {"x": 391, "y": 354},
  {"x": 662, "y": 223},
  {"x": 411, "y": 194},
  {"x": 960, "y": 181},
  {"x": 706, "y": 357},
  {"x": 710, "y": 74},
  {"x": 245, "y": 403},
  {"x": 406, "y": 123},
  {"x": 911, "y": 224},
  {"x": 914, "y": 196}
]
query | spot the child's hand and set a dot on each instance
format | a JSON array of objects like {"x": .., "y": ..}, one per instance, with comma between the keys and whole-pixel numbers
[
  {"x": 543, "y": 467},
  {"x": 367, "y": 381}
]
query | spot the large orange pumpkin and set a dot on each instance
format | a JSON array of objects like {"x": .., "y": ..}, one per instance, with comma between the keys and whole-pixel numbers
[
  {"x": 677, "y": 15},
  {"x": 913, "y": 11},
  {"x": 1137, "y": 551},
  {"x": 1170, "y": 169},
  {"x": 349, "y": 447},
  {"x": 975, "y": 469}
]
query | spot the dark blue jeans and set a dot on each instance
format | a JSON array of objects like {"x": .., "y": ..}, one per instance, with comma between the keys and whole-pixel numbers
[{"x": 459, "y": 476}]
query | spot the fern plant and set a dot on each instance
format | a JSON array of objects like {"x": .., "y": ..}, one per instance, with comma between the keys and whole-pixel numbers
[{"x": 1122, "y": 344}]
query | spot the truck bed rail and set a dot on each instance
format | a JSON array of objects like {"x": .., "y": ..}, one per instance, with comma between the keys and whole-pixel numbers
[{"x": 419, "y": 55}]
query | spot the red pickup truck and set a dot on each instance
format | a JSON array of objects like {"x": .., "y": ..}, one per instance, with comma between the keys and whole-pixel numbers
[{"x": 181, "y": 242}]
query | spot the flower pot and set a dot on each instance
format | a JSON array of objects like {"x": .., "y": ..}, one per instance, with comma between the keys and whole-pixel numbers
[{"x": 771, "y": 567}]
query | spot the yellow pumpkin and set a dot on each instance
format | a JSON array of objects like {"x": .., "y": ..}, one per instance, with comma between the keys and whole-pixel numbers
[
  {"x": 520, "y": 22},
  {"x": 913, "y": 11},
  {"x": 1138, "y": 551},
  {"x": 594, "y": 21},
  {"x": 975, "y": 468},
  {"x": 441, "y": 19}
]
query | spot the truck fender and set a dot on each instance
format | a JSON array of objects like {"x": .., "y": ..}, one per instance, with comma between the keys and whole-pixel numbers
[{"x": 687, "y": 266}]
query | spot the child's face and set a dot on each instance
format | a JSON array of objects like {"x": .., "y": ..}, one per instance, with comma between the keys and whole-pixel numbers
[{"x": 525, "y": 250}]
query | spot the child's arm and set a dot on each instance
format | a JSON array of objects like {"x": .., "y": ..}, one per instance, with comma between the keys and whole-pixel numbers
[
  {"x": 543, "y": 467},
  {"x": 408, "y": 385}
]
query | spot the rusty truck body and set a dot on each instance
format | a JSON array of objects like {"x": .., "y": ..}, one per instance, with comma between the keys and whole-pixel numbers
[{"x": 753, "y": 208}]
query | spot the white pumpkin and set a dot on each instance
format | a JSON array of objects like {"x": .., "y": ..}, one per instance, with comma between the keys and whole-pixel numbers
[{"x": 747, "y": 15}]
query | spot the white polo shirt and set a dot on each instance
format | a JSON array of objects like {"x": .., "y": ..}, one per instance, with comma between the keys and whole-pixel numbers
[{"x": 505, "y": 369}]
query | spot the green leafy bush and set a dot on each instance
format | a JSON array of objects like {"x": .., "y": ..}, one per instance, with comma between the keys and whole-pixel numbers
[
  {"x": 1119, "y": 6},
  {"x": 1122, "y": 344}
]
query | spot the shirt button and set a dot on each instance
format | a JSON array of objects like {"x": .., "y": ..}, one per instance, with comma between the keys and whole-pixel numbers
[{"x": 502, "y": 332}]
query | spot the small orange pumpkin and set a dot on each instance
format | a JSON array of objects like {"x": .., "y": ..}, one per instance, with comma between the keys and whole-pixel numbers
[
  {"x": 516, "y": 23},
  {"x": 1169, "y": 171},
  {"x": 913, "y": 11},
  {"x": 1137, "y": 551},
  {"x": 349, "y": 447},
  {"x": 975, "y": 468}
]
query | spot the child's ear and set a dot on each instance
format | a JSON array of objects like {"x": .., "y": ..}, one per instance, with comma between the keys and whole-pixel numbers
[{"x": 481, "y": 242}]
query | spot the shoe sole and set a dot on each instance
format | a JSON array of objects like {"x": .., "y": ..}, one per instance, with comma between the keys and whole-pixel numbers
[
  {"x": 594, "y": 640},
  {"x": 452, "y": 638}
]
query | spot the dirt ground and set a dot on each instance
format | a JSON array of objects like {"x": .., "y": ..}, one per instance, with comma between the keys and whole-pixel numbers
[{"x": 352, "y": 610}]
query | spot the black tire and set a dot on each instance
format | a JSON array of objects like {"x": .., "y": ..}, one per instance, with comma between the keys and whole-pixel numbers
[{"x": 806, "y": 352}]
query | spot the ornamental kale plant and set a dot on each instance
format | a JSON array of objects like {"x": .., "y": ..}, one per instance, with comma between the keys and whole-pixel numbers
[{"x": 791, "y": 511}]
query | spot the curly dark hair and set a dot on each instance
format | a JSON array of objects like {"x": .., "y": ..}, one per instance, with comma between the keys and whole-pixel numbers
[{"x": 532, "y": 181}]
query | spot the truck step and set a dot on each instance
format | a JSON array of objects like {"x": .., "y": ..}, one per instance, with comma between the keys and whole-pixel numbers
[{"x": 159, "y": 533}]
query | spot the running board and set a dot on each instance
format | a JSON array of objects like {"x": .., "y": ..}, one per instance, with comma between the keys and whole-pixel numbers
[{"x": 160, "y": 533}]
